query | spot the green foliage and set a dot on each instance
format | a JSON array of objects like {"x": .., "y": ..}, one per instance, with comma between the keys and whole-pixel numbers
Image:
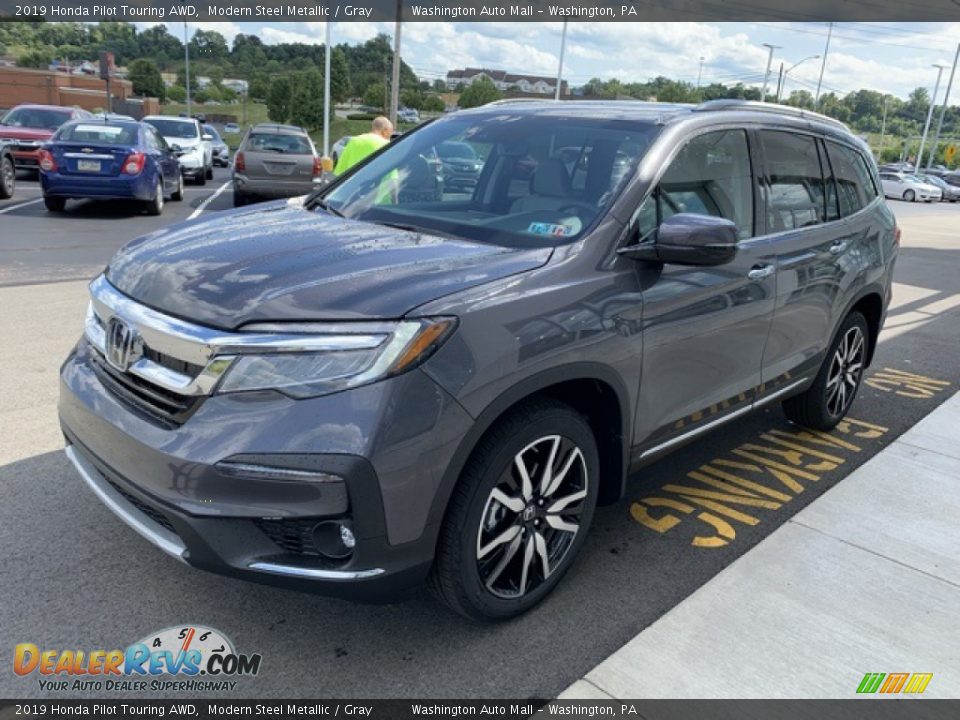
[
  {"x": 278, "y": 101},
  {"x": 439, "y": 85},
  {"x": 374, "y": 95},
  {"x": 146, "y": 79},
  {"x": 307, "y": 105},
  {"x": 339, "y": 75},
  {"x": 433, "y": 103},
  {"x": 215, "y": 74},
  {"x": 176, "y": 93},
  {"x": 37, "y": 58},
  {"x": 412, "y": 98},
  {"x": 259, "y": 86},
  {"x": 480, "y": 92}
]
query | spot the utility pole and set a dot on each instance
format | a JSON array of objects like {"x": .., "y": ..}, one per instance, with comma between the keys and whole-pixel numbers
[
  {"x": 326, "y": 95},
  {"x": 186, "y": 62},
  {"x": 563, "y": 47},
  {"x": 943, "y": 108},
  {"x": 395, "y": 88},
  {"x": 766, "y": 75},
  {"x": 780, "y": 83},
  {"x": 926, "y": 126},
  {"x": 883, "y": 128},
  {"x": 785, "y": 73},
  {"x": 823, "y": 65},
  {"x": 700, "y": 72}
]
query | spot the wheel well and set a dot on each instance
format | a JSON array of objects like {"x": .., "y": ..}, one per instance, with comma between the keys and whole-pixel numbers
[
  {"x": 599, "y": 405},
  {"x": 871, "y": 307}
]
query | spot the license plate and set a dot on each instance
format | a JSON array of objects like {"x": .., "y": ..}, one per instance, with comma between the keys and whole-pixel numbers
[{"x": 88, "y": 165}]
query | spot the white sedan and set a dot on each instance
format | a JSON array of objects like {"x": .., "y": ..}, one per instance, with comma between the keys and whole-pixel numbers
[{"x": 908, "y": 187}]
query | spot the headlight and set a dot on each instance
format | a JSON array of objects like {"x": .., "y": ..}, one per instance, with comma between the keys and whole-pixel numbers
[{"x": 367, "y": 354}]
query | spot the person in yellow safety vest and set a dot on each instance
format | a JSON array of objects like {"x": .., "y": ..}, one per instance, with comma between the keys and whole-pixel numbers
[{"x": 361, "y": 146}]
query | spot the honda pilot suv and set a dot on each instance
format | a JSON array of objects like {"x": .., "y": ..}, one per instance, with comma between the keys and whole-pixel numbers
[{"x": 368, "y": 388}]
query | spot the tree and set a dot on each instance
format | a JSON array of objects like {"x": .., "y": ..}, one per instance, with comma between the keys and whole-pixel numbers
[
  {"x": 146, "y": 79},
  {"x": 36, "y": 58},
  {"x": 208, "y": 45},
  {"x": 801, "y": 99},
  {"x": 306, "y": 108},
  {"x": 259, "y": 86},
  {"x": 215, "y": 74},
  {"x": 339, "y": 75},
  {"x": 412, "y": 98},
  {"x": 278, "y": 101},
  {"x": 439, "y": 85},
  {"x": 433, "y": 103},
  {"x": 176, "y": 93},
  {"x": 480, "y": 92},
  {"x": 374, "y": 95}
]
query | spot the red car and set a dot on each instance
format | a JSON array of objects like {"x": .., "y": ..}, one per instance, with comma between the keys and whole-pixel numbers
[{"x": 27, "y": 127}]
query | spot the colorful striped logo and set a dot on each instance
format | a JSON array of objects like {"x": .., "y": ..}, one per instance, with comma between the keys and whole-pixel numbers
[{"x": 892, "y": 683}]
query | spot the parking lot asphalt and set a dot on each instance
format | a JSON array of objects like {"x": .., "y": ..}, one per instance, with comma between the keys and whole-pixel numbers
[{"x": 75, "y": 577}]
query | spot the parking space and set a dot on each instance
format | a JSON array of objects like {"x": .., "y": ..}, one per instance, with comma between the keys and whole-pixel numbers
[{"x": 75, "y": 576}]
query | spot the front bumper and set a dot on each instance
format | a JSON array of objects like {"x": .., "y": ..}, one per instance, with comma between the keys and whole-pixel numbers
[{"x": 166, "y": 483}]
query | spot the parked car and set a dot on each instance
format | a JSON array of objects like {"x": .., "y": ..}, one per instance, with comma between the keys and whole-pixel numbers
[
  {"x": 274, "y": 161},
  {"x": 902, "y": 166},
  {"x": 461, "y": 166},
  {"x": 952, "y": 178},
  {"x": 408, "y": 115},
  {"x": 904, "y": 186},
  {"x": 186, "y": 138},
  {"x": 8, "y": 170},
  {"x": 948, "y": 192},
  {"x": 28, "y": 127},
  {"x": 109, "y": 160},
  {"x": 338, "y": 147},
  {"x": 231, "y": 128},
  {"x": 220, "y": 150},
  {"x": 356, "y": 392}
]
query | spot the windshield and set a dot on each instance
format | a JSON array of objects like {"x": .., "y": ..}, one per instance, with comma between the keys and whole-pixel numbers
[
  {"x": 35, "y": 118},
  {"x": 275, "y": 143},
  {"x": 175, "y": 128},
  {"x": 96, "y": 133},
  {"x": 212, "y": 132},
  {"x": 535, "y": 179}
]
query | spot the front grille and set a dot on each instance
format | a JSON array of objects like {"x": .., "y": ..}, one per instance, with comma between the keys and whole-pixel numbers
[
  {"x": 171, "y": 363},
  {"x": 294, "y": 536},
  {"x": 150, "y": 401},
  {"x": 148, "y": 510}
]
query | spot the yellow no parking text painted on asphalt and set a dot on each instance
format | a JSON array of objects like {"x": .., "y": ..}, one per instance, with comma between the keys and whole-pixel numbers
[{"x": 769, "y": 472}]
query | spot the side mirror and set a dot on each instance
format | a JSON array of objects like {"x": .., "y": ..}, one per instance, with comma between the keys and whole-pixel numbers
[
  {"x": 176, "y": 149},
  {"x": 206, "y": 137},
  {"x": 688, "y": 239}
]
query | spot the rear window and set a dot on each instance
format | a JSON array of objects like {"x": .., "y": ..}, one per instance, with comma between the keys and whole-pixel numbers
[
  {"x": 212, "y": 132},
  {"x": 35, "y": 118},
  {"x": 100, "y": 134},
  {"x": 277, "y": 143},
  {"x": 175, "y": 128},
  {"x": 448, "y": 150},
  {"x": 854, "y": 181},
  {"x": 796, "y": 196}
]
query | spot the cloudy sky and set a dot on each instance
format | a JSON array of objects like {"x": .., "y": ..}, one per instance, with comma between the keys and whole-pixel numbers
[{"x": 889, "y": 57}]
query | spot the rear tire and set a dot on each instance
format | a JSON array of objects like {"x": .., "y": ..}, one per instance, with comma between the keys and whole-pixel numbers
[
  {"x": 155, "y": 206},
  {"x": 55, "y": 204},
  {"x": 909, "y": 196},
  {"x": 8, "y": 178},
  {"x": 506, "y": 543},
  {"x": 825, "y": 403},
  {"x": 177, "y": 195}
]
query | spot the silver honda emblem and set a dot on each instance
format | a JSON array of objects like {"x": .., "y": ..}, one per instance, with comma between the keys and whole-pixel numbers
[{"x": 123, "y": 346}]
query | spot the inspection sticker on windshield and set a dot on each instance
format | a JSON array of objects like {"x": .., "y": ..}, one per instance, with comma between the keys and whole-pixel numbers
[{"x": 538, "y": 228}]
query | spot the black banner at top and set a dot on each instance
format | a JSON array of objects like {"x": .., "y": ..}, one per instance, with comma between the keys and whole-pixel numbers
[{"x": 480, "y": 10}]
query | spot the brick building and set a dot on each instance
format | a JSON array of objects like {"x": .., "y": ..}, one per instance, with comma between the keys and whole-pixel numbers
[{"x": 48, "y": 87}]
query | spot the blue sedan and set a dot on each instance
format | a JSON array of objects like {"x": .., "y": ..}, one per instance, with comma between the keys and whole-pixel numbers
[{"x": 109, "y": 159}]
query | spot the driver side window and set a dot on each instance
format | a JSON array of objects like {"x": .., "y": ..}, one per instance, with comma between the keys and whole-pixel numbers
[{"x": 709, "y": 176}]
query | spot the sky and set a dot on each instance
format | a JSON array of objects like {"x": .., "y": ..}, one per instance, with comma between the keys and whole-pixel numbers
[{"x": 888, "y": 57}]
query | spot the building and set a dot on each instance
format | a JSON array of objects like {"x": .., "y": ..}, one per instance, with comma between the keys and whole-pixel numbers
[
  {"x": 505, "y": 81},
  {"x": 50, "y": 87}
]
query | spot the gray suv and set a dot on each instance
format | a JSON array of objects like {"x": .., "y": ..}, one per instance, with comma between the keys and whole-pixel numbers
[{"x": 373, "y": 388}]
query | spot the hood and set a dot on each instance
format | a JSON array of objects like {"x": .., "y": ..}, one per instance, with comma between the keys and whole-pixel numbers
[
  {"x": 24, "y": 133},
  {"x": 281, "y": 262},
  {"x": 184, "y": 143}
]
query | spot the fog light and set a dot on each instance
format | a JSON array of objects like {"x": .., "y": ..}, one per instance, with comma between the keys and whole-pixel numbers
[{"x": 347, "y": 538}]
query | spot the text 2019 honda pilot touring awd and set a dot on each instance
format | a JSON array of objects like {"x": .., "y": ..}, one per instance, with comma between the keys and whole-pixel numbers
[{"x": 382, "y": 385}]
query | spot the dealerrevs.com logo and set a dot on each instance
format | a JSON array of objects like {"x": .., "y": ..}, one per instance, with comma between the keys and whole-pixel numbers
[{"x": 192, "y": 657}]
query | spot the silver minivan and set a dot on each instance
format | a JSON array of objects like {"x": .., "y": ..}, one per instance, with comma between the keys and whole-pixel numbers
[{"x": 274, "y": 161}]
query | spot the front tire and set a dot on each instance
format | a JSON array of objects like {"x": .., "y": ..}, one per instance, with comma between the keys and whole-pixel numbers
[
  {"x": 825, "y": 403},
  {"x": 8, "y": 178},
  {"x": 209, "y": 173},
  {"x": 519, "y": 514},
  {"x": 201, "y": 178},
  {"x": 909, "y": 196}
]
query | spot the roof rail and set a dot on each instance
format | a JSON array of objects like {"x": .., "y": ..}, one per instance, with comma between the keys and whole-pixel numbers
[
  {"x": 757, "y": 106},
  {"x": 509, "y": 101}
]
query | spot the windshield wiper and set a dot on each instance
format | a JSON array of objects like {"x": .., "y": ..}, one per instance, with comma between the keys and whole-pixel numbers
[
  {"x": 417, "y": 229},
  {"x": 318, "y": 202}
]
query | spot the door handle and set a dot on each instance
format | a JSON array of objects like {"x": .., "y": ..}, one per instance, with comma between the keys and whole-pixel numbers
[
  {"x": 758, "y": 272},
  {"x": 838, "y": 247}
]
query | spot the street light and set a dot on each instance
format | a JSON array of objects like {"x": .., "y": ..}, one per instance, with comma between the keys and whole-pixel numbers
[
  {"x": 786, "y": 72},
  {"x": 766, "y": 75},
  {"x": 926, "y": 127},
  {"x": 700, "y": 72}
]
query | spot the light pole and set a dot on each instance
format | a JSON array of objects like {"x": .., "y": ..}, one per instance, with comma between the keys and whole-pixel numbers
[
  {"x": 943, "y": 109},
  {"x": 326, "y": 95},
  {"x": 926, "y": 126},
  {"x": 700, "y": 72},
  {"x": 563, "y": 47},
  {"x": 823, "y": 65},
  {"x": 395, "y": 75},
  {"x": 883, "y": 128},
  {"x": 186, "y": 63},
  {"x": 766, "y": 75},
  {"x": 787, "y": 72}
]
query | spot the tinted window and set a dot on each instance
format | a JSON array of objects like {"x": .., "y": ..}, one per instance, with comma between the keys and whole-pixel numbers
[
  {"x": 855, "y": 186},
  {"x": 100, "y": 134},
  {"x": 275, "y": 143},
  {"x": 36, "y": 118},
  {"x": 176, "y": 128},
  {"x": 212, "y": 132},
  {"x": 709, "y": 176},
  {"x": 796, "y": 195}
]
